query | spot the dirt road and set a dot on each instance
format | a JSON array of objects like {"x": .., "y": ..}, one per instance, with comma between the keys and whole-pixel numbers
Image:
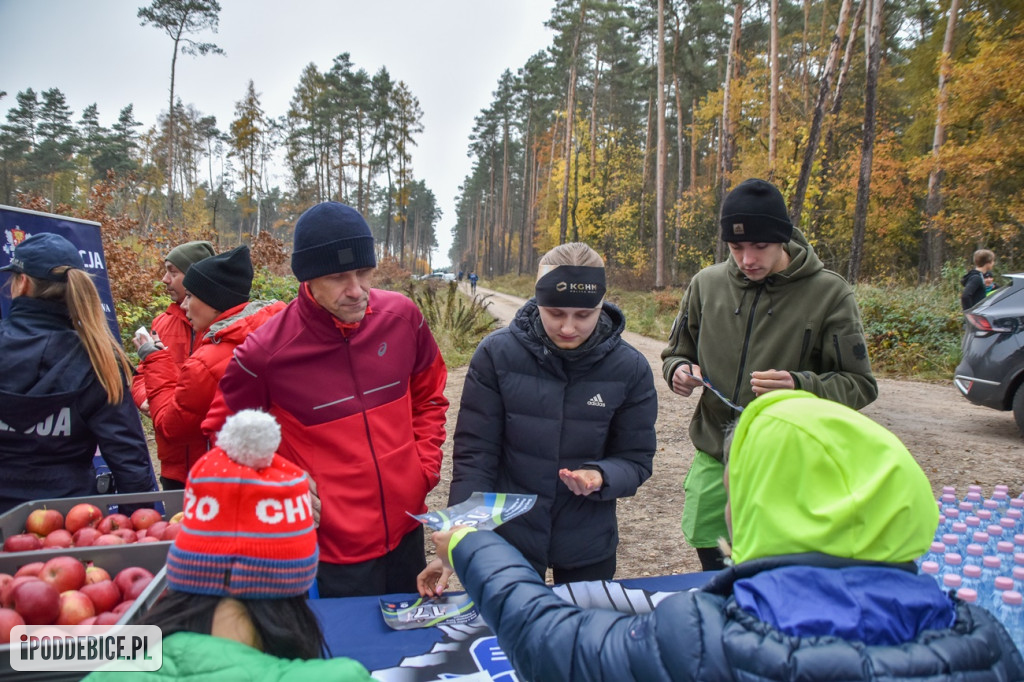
[{"x": 956, "y": 443}]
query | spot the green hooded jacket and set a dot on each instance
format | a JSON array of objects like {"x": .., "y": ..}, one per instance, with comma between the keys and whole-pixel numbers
[
  {"x": 194, "y": 657},
  {"x": 804, "y": 320},
  {"x": 810, "y": 475}
]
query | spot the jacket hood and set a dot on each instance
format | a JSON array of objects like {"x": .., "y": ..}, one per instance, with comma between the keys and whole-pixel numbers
[
  {"x": 528, "y": 328},
  {"x": 236, "y": 323},
  {"x": 808, "y": 474},
  {"x": 803, "y": 262}
]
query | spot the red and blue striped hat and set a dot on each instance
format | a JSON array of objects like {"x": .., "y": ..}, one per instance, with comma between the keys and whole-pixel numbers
[{"x": 248, "y": 528}]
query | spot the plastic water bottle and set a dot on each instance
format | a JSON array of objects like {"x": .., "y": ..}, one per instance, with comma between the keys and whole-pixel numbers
[
  {"x": 951, "y": 582},
  {"x": 1008, "y": 525},
  {"x": 973, "y": 523},
  {"x": 959, "y": 529},
  {"x": 1004, "y": 550},
  {"x": 952, "y": 564},
  {"x": 1010, "y": 612},
  {"x": 974, "y": 556},
  {"x": 931, "y": 568},
  {"x": 966, "y": 507},
  {"x": 1018, "y": 579},
  {"x": 990, "y": 570},
  {"x": 992, "y": 507},
  {"x": 1018, "y": 518},
  {"x": 985, "y": 515},
  {"x": 1018, "y": 542},
  {"x": 934, "y": 553},
  {"x": 1001, "y": 498},
  {"x": 974, "y": 498},
  {"x": 967, "y": 594},
  {"x": 972, "y": 577},
  {"x": 1017, "y": 503},
  {"x": 995, "y": 535},
  {"x": 951, "y": 543},
  {"x": 949, "y": 490},
  {"x": 1002, "y": 584},
  {"x": 980, "y": 537}
]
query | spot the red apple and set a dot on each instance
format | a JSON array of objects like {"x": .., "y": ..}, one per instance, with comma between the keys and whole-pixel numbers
[
  {"x": 140, "y": 533},
  {"x": 42, "y": 522},
  {"x": 85, "y": 537},
  {"x": 95, "y": 574},
  {"x": 5, "y": 579},
  {"x": 75, "y": 606},
  {"x": 147, "y": 539},
  {"x": 91, "y": 620},
  {"x": 178, "y": 517},
  {"x": 144, "y": 518},
  {"x": 157, "y": 530},
  {"x": 31, "y": 569},
  {"x": 37, "y": 602},
  {"x": 105, "y": 595},
  {"x": 64, "y": 573},
  {"x": 108, "y": 618},
  {"x": 111, "y": 523},
  {"x": 23, "y": 542},
  {"x": 58, "y": 538},
  {"x": 125, "y": 534},
  {"x": 7, "y": 593},
  {"x": 82, "y": 515},
  {"x": 126, "y": 577},
  {"x": 123, "y": 606},
  {"x": 8, "y": 619},
  {"x": 171, "y": 531},
  {"x": 108, "y": 539}
]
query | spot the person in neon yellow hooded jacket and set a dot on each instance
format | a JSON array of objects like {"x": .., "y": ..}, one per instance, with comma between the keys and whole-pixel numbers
[
  {"x": 828, "y": 511},
  {"x": 840, "y": 484}
]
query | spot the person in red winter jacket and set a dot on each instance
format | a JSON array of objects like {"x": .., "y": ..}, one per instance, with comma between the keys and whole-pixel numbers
[
  {"x": 217, "y": 305},
  {"x": 175, "y": 332},
  {"x": 356, "y": 380}
]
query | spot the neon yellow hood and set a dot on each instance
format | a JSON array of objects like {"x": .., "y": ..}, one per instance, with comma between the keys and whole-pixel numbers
[{"x": 808, "y": 474}]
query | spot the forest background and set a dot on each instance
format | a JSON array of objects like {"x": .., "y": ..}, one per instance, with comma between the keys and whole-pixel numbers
[{"x": 892, "y": 129}]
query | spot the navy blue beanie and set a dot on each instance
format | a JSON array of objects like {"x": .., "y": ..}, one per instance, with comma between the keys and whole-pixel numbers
[
  {"x": 329, "y": 238},
  {"x": 755, "y": 211}
]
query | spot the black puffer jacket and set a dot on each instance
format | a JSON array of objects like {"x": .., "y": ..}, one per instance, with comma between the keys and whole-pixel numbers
[{"x": 529, "y": 409}]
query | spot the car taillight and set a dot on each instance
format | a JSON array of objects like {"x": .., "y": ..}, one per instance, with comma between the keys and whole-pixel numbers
[{"x": 982, "y": 323}]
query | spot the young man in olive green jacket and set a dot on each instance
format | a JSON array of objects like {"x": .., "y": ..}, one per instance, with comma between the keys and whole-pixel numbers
[{"x": 769, "y": 317}]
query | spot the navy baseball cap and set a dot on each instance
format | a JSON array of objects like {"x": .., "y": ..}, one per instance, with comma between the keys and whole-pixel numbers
[{"x": 38, "y": 255}]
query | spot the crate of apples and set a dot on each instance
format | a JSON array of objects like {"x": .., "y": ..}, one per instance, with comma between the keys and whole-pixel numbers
[
  {"x": 89, "y": 586},
  {"x": 87, "y": 521}
]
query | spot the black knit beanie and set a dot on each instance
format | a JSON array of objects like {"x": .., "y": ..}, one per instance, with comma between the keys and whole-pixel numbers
[
  {"x": 329, "y": 238},
  {"x": 222, "y": 281},
  {"x": 755, "y": 211}
]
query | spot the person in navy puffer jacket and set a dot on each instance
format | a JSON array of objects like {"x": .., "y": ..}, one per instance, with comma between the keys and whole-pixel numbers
[
  {"x": 558, "y": 405},
  {"x": 827, "y": 511}
]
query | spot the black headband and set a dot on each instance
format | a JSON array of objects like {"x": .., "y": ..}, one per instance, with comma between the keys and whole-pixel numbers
[{"x": 571, "y": 286}]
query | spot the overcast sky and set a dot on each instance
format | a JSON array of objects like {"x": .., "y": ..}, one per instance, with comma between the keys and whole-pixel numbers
[{"x": 449, "y": 52}]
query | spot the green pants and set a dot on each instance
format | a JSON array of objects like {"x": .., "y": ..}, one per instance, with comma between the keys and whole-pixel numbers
[{"x": 704, "y": 502}]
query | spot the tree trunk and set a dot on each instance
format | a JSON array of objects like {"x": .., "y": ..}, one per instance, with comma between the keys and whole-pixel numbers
[
  {"x": 725, "y": 147},
  {"x": 662, "y": 159},
  {"x": 570, "y": 122},
  {"x": 860, "y": 216},
  {"x": 933, "y": 231},
  {"x": 773, "y": 98},
  {"x": 814, "y": 136}
]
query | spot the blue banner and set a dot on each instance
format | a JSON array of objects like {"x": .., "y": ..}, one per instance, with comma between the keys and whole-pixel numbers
[{"x": 18, "y": 224}]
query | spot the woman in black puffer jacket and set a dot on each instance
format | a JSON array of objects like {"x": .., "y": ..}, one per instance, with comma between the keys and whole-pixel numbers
[{"x": 558, "y": 405}]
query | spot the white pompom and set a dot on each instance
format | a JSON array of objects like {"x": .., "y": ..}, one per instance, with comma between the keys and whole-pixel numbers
[{"x": 250, "y": 437}]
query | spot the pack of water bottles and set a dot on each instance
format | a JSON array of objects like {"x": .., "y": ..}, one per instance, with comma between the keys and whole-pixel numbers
[{"x": 978, "y": 553}]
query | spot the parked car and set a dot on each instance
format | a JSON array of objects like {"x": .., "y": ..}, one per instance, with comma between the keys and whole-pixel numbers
[
  {"x": 991, "y": 371},
  {"x": 443, "y": 276}
]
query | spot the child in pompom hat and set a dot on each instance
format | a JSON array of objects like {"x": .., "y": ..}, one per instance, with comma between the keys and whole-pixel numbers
[{"x": 241, "y": 566}]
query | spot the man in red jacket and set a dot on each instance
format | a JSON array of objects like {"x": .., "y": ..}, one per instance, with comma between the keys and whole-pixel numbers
[
  {"x": 174, "y": 330},
  {"x": 356, "y": 381}
]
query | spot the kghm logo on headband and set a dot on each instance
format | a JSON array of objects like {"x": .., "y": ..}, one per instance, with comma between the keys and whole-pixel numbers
[{"x": 571, "y": 286}]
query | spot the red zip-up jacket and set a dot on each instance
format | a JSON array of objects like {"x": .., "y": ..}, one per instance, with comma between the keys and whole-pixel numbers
[
  {"x": 363, "y": 411},
  {"x": 176, "y": 333},
  {"x": 180, "y": 395}
]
